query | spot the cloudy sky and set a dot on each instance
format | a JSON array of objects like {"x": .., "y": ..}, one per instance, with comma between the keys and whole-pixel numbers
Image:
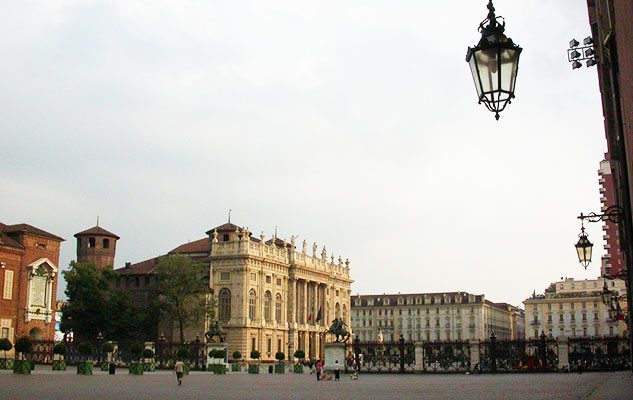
[{"x": 350, "y": 123}]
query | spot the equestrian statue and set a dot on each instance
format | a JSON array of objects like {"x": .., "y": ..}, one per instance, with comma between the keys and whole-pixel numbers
[
  {"x": 215, "y": 329},
  {"x": 339, "y": 330}
]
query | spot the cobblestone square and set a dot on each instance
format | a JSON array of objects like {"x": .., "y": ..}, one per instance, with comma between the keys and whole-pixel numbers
[{"x": 44, "y": 384}]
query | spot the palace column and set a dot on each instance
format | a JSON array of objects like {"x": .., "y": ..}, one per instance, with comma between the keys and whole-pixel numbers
[{"x": 304, "y": 310}]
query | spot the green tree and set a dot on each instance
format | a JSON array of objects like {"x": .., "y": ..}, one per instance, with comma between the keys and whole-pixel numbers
[
  {"x": 86, "y": 312},
  {"x": 96, "y": 305},
  {"x": 183, "y": 286}
]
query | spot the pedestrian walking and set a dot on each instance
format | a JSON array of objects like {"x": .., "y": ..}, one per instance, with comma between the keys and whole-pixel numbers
[
  {"x": 337, "y": 371},
  {"x": 319, "y": 369},
  {"x": 179, "y": 368}
]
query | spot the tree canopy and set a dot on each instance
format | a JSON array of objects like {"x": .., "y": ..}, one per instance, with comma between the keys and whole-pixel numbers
[
  {"x": 96, "y": 306},
  {"x": 183, "y": 286}
]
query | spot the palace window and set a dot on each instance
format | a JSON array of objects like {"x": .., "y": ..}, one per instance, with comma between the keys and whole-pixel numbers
[
  {"x": 225, "y": 305},
  {"x": 252, "y": 304},
  {"x": 225, "y": 276},
  {"x": 253, "y": 277},
  {"x": 268, "y": 299},
  {"x": 278, "y": 281},
  {"x": 7, "y": 293},
  {"x": 344, "y": 313},
  {"x": 268, "y": 279},
  {"x": 278, "y": 307},
  {"x": 225, "y": 237},
  {"x": 337, "y": 310}
]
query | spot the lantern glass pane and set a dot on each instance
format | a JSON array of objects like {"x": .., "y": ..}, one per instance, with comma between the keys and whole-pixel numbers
[
  {"x": 509, "y": 63},
  {"x": 488, "y": 64},
  {"x": 588, "y": 250},
  {"x": 473, "y": 71}
]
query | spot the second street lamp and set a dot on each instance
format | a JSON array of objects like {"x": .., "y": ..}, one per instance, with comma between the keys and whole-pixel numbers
[
  {"x": 584, "y": 248},
  {"x": 494, "y": 63}
]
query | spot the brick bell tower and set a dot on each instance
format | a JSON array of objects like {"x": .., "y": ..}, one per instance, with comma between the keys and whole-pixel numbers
[{"x": 96, "y": 246}]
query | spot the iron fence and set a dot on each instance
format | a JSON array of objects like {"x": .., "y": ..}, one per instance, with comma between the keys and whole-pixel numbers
[{"x": 599, "y": 354}]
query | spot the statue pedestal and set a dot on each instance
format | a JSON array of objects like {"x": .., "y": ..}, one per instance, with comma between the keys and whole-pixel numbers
[
  {"x": 334, "y": 352},
  {"x": 218, "y": 346}
]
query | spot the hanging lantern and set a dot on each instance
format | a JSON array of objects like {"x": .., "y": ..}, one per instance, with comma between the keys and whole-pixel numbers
[
  {"x": 494, "y": 63},
  {"x": 584, "y": 248}
]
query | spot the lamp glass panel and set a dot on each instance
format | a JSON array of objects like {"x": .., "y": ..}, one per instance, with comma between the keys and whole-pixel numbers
[
  {"x": 488, "y": 64},
  {"x": 509, "y": 63},
  {"x": 473, "y": 71}
]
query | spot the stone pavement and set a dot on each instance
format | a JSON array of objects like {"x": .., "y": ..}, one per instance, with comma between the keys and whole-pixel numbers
[{"x": 44, "y": 384}]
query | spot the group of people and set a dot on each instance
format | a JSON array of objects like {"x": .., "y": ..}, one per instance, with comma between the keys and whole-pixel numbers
[
  {"x": 318, "y": 367},
  {"x": 322, "y": 374}
]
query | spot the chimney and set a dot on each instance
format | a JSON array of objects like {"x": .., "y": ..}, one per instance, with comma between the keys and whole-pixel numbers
[{"x": 128, "y": 264}]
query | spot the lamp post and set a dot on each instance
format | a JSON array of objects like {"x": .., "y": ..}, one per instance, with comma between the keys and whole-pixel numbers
[
  {"x": 494, "y": 63},
  {"x": 584, "y": 246},
  {"x": 99, "y": 342}
]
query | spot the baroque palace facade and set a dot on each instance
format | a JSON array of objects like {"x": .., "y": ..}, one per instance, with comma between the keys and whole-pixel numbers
[
  {"x": 270, "y": 295},
  {"x": 434, "y": 317},
  {"x": 574, "y": 308}
]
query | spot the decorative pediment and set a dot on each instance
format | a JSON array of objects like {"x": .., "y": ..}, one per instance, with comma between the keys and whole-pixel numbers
[{"x": 42, "y": 267}]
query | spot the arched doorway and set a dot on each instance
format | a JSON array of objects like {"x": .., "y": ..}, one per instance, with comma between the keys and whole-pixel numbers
[{"x": 35, "y": 334}]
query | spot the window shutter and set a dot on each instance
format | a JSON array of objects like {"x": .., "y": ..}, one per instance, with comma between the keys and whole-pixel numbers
[{"x": 8, "y": 285}]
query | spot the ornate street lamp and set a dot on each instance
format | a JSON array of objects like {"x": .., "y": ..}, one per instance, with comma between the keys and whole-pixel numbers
[
  {"x": 494, "y": 63},
  {"x": 584, "y": 248}
]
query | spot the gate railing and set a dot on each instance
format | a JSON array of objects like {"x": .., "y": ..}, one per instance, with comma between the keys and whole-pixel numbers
[{"x": 599, "y": 354}]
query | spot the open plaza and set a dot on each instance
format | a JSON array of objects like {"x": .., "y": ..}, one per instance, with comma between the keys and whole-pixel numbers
[{"x": 199, "y": 385}]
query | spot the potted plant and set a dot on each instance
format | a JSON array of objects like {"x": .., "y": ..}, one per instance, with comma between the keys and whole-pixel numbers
[
  {"x": 148, "y": 360},
  {"x": 184, "y": 354},
  {"x": 217, "y": 362},
  {"x": 136, "y": 367},
  {"x": 108, "y": 348},
  {"x": 280, "y": 368},
  {"x": 5, "y": 345},
  {"x": 23, "y": 347},
  {"x": 237, "y": 356},
  {"x": 254, "y": 368},
  {"x": 59, "y": 352},
  {"x": 298, "y": 368},
  {"x": 86, "y": 349}
]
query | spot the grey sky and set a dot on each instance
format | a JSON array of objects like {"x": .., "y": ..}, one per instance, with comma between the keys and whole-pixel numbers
[{"x": 350, "y": 123}]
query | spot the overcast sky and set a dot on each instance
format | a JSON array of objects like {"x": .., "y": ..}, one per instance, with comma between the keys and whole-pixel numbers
[{"x": 350, "y": 123}]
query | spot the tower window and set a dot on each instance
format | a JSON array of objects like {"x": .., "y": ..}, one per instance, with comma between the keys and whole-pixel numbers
[
  {"x": 91, "y": 242},
  {"x": 225, "y": 237},
  {"x": 106, "y": 243}
]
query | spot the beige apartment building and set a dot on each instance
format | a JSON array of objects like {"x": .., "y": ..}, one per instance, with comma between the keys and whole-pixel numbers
[
  {"x": 434, "y": 317},
  {"x": 574, "y": 308}
]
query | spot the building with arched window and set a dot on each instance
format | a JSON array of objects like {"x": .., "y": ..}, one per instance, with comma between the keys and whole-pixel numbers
[
  {"x": 28, "y": 282},
  {"x": 270, "y": 296},
  {"x": 279, "y": 295}
]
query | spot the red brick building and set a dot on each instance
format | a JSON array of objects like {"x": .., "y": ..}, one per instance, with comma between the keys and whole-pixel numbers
[
  {"x": 29, "y": 259},
  {"x": 613, "y": 259}
]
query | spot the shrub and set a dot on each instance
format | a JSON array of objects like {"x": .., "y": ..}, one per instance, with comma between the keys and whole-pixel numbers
[
  {"x": 85, "y": 349},
  {"x": 24, "y": 345},
  {"x": 300, "y": 354},
  {"x": 255, "y": 354},
  {"x": 107, "y": 347},
  {"x": 148, "y": 353},
  {"x": 237, "y": 355},
  {"x": 280, "y": 356},
  {"x": 60, "y": 349},
  {"x": 5, "y": 345},
  {"x": 137, "y": 349},
  {"x": 183, "y": 353}
]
